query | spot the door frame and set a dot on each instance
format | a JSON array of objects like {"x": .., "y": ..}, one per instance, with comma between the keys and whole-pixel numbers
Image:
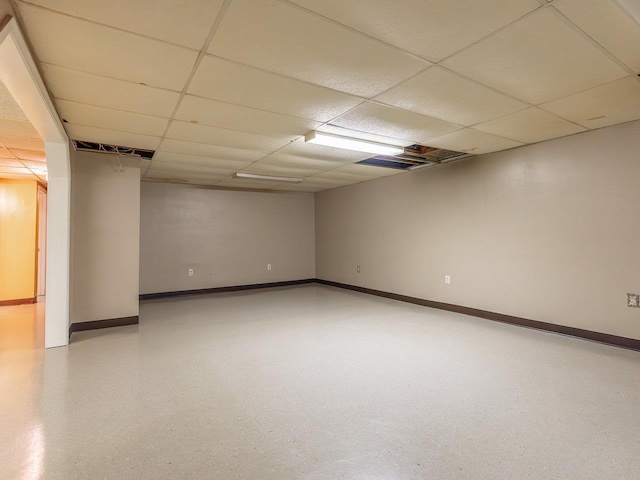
[{"x": 41, "y": 241}]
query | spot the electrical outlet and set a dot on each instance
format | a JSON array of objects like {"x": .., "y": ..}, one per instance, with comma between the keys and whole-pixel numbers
[
  {"x": 358, "y": 269},
  {"x": 633, "y": 300},
  {"x": 191, "y": 272},
  {"x": 447, "y": 279},
  {"x": 268, "y": 266}
]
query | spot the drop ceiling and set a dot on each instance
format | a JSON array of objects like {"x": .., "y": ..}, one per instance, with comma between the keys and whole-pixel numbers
[
  {"x": 21, "y": 147},
  {"x": 217, "y": 87}
]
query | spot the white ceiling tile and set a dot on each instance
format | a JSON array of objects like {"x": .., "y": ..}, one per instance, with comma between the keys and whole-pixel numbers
[
  {"x": 185, "y": 169},
  {"x": 278, "y": 170},
  {"x": 111, "y": 137},
  {"x": 602, "y": 106},
  {"x": 432, "y": 29},
  {"x": 231, "y": 82},
  {"x": 35, "y": 166},
  {"x": 10, "y": 110},
  {"x": 3, "y": 89},
  {"x": 214, "y": 151},
  {"x": 282, "y": 38},
  {"x": 26, "y": 154},
  {"x": 24, "y": 143},
  {"x": 224, "y": 138},
  {"x": 15, "y": 170},
  {"x": 441, "y": 94},
  {"x": 18, "y": 176},
  {"x": 165, "y": 180},
  {"x": 10, "y": 162},
  {"x": 93, "y": 48},
  {"x": 181, "y": 177},
  {"x": 392, "y": 122},
  {"x": 179, "y": 158},
  {"x": 339, "y": 175},
  {"x": 298, "y": 161},
  {"x": 529, "y": 126},
  {"x": 608, "y": 25},
  {"x": 162, "y": 172},
  {"x": 249, "y": 184},
  {"x": 537, "y": 59},
  {"x": 370, "y": 171},
  {"x": 209, "y": 182},
  {"x": 300, "y": 187},
  {"x": 4, "y": 153},
  {"x": 92, "y": 116},
  {"x": 176, "y": 21},
  {"x": 473, "y": 141},
  {"x": 243, "y": 119},
  {"x": 320, "y": 152},
  {"x": 17, "y": 128},
  {"x": 92, "y": 89},
  {"x": 323, "y": 181}
]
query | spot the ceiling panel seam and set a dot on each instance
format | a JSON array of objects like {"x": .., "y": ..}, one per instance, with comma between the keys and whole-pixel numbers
[
  {"x": 110, "y": 108},
  {"x": 224, "y": 59},
  {"x": 593, "y": 42},
  {"x": 22, "y": 162},
  {"x": 111, "y": 27},
  {"x": 201, "y": 55},
  {"x": 353, "y": 30},
  {"x": 496, "y": 32},
  {"x": 63, "y": 67}
]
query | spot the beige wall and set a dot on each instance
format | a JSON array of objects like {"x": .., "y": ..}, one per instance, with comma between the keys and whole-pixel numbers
[
  {"x": 18, "y": 238},
  {"x": 105, "y": 237},
  {"x": 549, "y": 232},
  {"x": 227, "y": 237}
]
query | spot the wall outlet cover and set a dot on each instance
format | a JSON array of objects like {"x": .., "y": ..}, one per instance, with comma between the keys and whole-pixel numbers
[{"x": 633, "y": 300}]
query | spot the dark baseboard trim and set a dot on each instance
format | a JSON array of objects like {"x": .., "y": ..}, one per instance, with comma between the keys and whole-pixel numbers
[
  {"x": 624, "y": 342},
  {"x": 235, "y": 288},
  {"x": 108, "y": 323},
  {"x": 18, "y": 301}
]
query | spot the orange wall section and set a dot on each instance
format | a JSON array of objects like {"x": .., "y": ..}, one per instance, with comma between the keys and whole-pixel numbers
[{"x": 18, "y": 238}]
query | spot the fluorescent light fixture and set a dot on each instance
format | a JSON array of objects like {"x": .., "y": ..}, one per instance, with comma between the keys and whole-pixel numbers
[
  {"x": 631, "y": 8},
  {"x": 268, "y": 178},
  {"x": 356, "y": 144}
]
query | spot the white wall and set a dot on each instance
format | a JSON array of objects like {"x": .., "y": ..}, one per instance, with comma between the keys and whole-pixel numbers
[
  {"x": 549, "y": 232},
  {"x": 105, "y": 237},
  {"x": 227, "y": 237}
]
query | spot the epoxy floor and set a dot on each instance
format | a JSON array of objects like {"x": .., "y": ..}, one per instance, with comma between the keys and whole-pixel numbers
[
  {"x": 22, "y": 326},
  {"x": 313, "y": 382}
]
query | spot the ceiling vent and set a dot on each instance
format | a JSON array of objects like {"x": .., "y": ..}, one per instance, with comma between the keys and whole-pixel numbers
[
  {"x": 415, "y": 156},
  {"x": 82, "y": 146}
]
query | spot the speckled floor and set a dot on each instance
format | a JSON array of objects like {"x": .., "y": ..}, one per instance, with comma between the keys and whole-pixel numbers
[{"x": 313, "y": 383}]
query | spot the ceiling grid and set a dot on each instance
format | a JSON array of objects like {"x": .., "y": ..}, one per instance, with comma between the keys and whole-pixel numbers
[{"x": 218, "y": 86}]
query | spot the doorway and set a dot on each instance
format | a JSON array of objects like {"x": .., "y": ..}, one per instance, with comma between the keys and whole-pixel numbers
[{"x": 22, "y": 81}]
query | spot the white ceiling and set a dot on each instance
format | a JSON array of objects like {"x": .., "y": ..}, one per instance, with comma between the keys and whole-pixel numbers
[
  {"x": 21, "y": 147},
  {"x": 220, "y": 86}
]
